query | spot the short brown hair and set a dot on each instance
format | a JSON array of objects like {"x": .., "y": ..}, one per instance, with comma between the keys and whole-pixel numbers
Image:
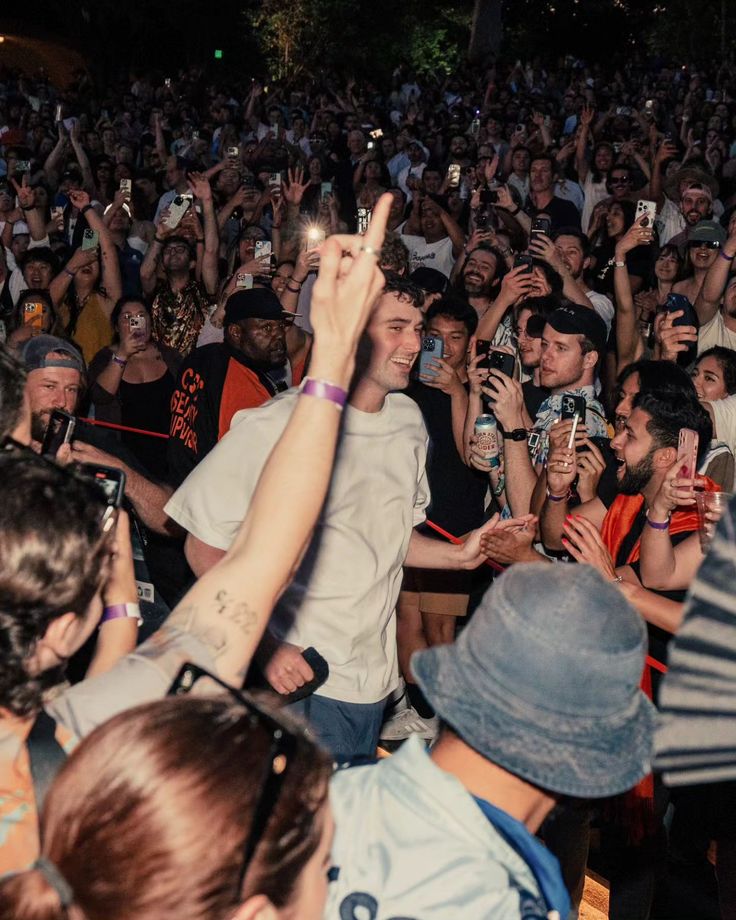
[{"x": 149, "y": 817}]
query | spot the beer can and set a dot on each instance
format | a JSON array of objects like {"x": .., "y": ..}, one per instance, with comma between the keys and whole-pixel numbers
[{"x": 486, "y": 438}]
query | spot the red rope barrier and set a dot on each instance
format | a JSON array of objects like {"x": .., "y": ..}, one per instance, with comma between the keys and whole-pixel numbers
[
  {"x": 151, "y": 434},
  {"x": 457, "y": 540}
]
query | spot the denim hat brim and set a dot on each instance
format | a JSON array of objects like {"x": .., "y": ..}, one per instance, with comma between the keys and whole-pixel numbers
[{"x": 585, "y": 757}]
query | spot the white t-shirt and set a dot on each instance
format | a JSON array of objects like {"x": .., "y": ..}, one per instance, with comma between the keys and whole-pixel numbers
[
  {"x": 430, "y": 255},
  {"x": 724, "y": 417},
  {"x": 715, "y": 332},
  {"x": 603, "y": 307},
  {"x": 594, "y": 192},
  {"x": 342, "y": 600},
  {"x": 669, "y": 222}
]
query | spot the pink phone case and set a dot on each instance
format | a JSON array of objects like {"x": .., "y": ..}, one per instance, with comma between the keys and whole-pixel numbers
[{"x": 687, "y": 453}]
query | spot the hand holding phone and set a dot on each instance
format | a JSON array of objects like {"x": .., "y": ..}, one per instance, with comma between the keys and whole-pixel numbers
[
  {"x": 433, "y": 348},
  {"x": 59, "y": 431}
]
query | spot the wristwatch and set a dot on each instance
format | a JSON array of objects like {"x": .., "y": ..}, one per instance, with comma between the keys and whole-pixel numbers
[{"x": 518, "y": 434}]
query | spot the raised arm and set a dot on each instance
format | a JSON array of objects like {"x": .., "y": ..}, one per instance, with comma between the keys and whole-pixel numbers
[
  {"x": 629, "y": 345},
  {"x": 111, "y": 280},
  {"x": 200, "y": 186},
  {"x": 581, "y": 146},
  {"x": 88, "y": 180},
  {"x": 230, "y": 605},
  {"x": 708, "y": 300}
]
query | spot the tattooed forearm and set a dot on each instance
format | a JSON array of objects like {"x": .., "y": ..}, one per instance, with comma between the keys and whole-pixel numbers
[{"x": 211, "y": 623}]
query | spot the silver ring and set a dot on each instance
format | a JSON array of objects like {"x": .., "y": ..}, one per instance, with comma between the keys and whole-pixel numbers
[{"x": 369, "y": 249}]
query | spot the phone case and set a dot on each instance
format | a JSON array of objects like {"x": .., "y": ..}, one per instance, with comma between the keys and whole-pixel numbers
[
  {"x": 573, "y": 405},
  {"x": 432, "y": 348},
  {"x": 687, "y": 452},
  {"x": 646, "y": 207}
]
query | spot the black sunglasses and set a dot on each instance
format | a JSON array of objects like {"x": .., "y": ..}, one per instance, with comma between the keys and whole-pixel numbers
[
  {"x": 283, "y": 748},
  {"x": 703, "y": 244}
]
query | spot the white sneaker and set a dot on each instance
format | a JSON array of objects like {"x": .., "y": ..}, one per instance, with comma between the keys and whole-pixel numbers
[{"x": 409, "y": 722}]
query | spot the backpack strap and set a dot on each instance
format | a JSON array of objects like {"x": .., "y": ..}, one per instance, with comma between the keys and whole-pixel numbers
[{"x": 45, "y": 753}]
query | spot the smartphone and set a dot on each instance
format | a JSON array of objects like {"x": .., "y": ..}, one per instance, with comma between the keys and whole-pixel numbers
[
  {"x": 233, "y": 152},
  {"x": 110, "y": 479},
  {"x": 321, "y": 670},
  {"x": 59, "y": 431},
  {"x": 167, "y": 82},
  {"x": 33, "y": 315},
  {"x": 483, "y": 347},
  {"x": 90, "y": 239},
  {"x": 177, "y": 209},
  {"x": 482, "y": 219},
  {"x": 248, "y": 182},
  {"x": 687, "y": 453},
  {"x": 433, "y": 348},
  {"x": 370, "y": 145},
  {"x": 22, "y": 166},
  {"x": 195, "y": 135},
  {"x": 244, "y": 281},
  {"x": 263, "y": 249},
  {"x": 126, "y": 187},
  {"x": 541, "y": 225},
  {"x": 325, "y": 189},
  {"x": 500, "y": 361},
  {"x": 315, "y": 237},
  {"x": 689, "y": 318},
  {"x": 573, "y": 405},
  {"x": 488, "y": 196},
  {"x": 648, "y": 208},
  {"x": 274, "y": 180},
  {"x": 59, "y": 114},
  {"x": 136, "y": 322},
  {"x": 364, "y": 218},
  {"x": 524, "y": 259},
  {"x": 453, "y": 175}
]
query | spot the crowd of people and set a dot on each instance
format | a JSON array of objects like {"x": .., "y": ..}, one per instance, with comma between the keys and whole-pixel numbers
[{"x": 397, "y": 418}]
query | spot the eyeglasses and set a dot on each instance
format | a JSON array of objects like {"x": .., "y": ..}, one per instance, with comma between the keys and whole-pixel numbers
[
  {"x": 176, "y": 248},
  {"x": 703, "y": 244},
  {"x": 281, "y": 753}
]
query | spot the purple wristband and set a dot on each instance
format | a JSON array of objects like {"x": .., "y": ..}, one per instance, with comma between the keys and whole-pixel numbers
[
  {"x": 323, "y": 389},
  {"x": 725, "y": 258},
  {"x": 118, "y": 611},
  {"x": 658, "y": 525}
]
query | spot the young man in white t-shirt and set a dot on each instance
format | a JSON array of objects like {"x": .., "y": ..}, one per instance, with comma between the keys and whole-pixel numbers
[
  {"x": 342, "y": 599},
  {"x": 716, "y": 303},
  {"x": 434, "y": 239}
]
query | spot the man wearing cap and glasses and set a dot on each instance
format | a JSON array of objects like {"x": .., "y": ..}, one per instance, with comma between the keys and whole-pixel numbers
[
  {"x": 220, "y": 379},
  {"x": 539, "y": 699}
]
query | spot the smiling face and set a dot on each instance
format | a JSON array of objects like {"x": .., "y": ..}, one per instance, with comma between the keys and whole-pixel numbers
[
  {"x": 634, "y": 449},
  {"x": 709, "y": 379},
  {"x": 701, "y": 256},
  {"x": 615, "y": 220},
  {"x": 665, "y": 268},
  {"x": 390, "y": 344},
  {"x": 455, "y": 337},
  {"x": 695, "y": 206},
  {"x": 479, "y": 272},
  {"x": 37, "y": 274}
]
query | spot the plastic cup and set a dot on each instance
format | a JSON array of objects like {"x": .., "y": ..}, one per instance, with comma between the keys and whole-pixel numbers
[{"x": 711, "y": 506}]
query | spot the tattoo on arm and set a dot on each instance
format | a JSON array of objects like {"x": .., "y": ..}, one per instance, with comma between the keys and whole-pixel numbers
[{"x": 213, "y": 631}]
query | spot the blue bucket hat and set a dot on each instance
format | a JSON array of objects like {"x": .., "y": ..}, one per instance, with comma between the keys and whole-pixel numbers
[{"x": 544, "y": 681}]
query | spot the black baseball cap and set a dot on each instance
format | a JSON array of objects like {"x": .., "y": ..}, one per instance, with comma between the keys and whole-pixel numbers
[
  {"x": 573, "y": 319},
  {"x": 255, "y": 303}
]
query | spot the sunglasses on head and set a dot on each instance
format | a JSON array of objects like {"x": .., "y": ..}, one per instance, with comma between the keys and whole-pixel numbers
[
  {"x": 281, "y": 752},
  {"x": 703, "y": 244}
]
